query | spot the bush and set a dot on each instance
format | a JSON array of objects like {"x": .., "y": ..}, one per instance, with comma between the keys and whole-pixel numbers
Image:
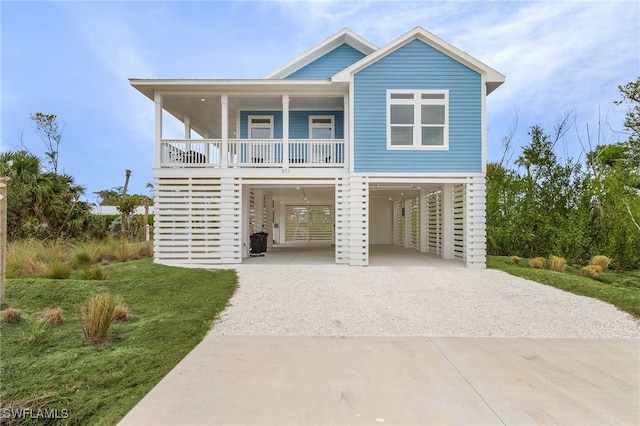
[
  {"x": 515, "y": 260},
  {"x": 52, "y": 316},
  {"x": 58, "y": 271},
  {"x": 558, "y": 264},
  {"x": 11, "y": 316},
  {"x": 93, "y": 273},
  {"x": 96, "y": 317},
  {"x": 121, "y": 312},
  {"x": 601, "y": 261},
  {"x": 537, "y": 262},
  {"x": 592, "y": 271},
  {"x": 121, "y": 251}
]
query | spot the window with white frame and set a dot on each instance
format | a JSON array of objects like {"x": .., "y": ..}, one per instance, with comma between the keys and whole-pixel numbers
[
  {"x": 321, "y": 127},
  {"x": 260, "y": 127},
  {"x": 417, "y": 119}
]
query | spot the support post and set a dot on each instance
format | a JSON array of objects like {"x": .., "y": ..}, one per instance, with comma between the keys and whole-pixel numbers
[
  {"x": 158, "y": 129},
  {"x": 3, "y": 236},
  {"x": 285, "y": 132},
  {"x": 224, "y": 123}
]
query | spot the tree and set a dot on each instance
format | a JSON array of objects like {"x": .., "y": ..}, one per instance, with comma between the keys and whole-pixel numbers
[
  {"x": 42, "y": 204},
  {"x": 49, "y": 132}
]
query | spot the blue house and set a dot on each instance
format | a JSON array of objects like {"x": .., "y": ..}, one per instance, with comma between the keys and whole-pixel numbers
[{"x": 348, "y": 143}]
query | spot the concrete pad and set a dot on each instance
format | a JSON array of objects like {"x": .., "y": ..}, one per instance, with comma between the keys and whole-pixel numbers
[{"x": 393, "y": 380}]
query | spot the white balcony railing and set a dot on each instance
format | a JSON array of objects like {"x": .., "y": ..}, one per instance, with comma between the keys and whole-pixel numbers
[{"x": 252, "y": 153}]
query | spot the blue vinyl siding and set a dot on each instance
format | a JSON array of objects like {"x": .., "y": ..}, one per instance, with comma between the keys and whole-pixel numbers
[
  {"x": 417, "y": 65},
  {"x": 329, "y": 64},
  {"x": 298, "y": 123}
]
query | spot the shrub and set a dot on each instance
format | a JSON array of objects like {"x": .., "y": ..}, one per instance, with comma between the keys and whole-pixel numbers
[
  {"x": 537, "y": 262},
  {"x": 11, "y": 316},
  {"x": 145, "y": 250},
  {"x": 121, "y": 251},
  {"x": 93, "y": 273},
  {"x": 592, "y": 271},
  {"x": 121, "y": 312},
  {"x": 558, "y": 264},
  {"x": 515, "y": 260},
  {"x": 601, "y": 261},
  {"x": 52, "y": 316},
  {"x": 58, "y": 270},
  {"x": 96, "y": 316},
  {"x": 88, "y": 253}
]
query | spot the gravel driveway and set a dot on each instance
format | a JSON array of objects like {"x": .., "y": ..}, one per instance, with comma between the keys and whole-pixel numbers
[{"x": 338, "y": 300}]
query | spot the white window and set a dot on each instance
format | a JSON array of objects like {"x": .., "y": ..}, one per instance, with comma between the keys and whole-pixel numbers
[
  {"x": 321, "y": 127},
  {"x": 418, "y": 119},
  {"x": 260, "y": 127}
]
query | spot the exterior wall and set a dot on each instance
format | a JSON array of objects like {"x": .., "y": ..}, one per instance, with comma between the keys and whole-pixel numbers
[
  {"x": 417, "y": 65},
  {"x": 197, "y": 221},
  {"x": 329, "y": 64},
  {"x": 298, "y": 123}
]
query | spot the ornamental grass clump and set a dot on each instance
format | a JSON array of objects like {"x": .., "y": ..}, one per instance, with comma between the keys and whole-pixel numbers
[
  {"x": 96, "y": 316},
  {"x": 515, "y": 260},
  {"x": 52, "y": 316},
  {"x": 121, "y": 312},
  {"x": 558, "y": 264},
  {"x": 58, "y": 270},
  {"x": 602, "y": 261},
  {"x": 93, "y": 273},
  {"x": 537, "y": 263},
  {"x": 592, "y": 271},
  {"x": 11, "y": 316}
]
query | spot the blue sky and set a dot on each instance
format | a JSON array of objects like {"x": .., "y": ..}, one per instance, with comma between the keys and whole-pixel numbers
[{"x": 73, "y": 59}]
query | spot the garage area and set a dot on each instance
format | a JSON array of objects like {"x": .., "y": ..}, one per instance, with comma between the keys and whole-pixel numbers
[{"x": 407, "y": 224}]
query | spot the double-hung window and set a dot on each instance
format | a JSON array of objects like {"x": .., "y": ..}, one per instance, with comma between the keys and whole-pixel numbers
[{"x": 418, "y": 119}]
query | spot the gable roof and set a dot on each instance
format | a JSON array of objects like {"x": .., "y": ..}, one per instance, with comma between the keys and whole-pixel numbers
[
  {"x": 493, "y": 78},
  {"x": 344, "y": 36}
]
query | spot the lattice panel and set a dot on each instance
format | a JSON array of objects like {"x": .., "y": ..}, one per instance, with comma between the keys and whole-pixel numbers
[
  {"x": 434, "y": 212},
  {"x": 458, "y": 221}
]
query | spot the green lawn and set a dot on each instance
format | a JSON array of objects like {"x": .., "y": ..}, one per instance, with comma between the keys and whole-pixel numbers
[
  {"x": 621, "y": 289},
  {"x": 172, "y": 310}
]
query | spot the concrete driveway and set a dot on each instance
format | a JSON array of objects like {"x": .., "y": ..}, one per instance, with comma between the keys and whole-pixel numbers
[{"x": 293, "y": 351}]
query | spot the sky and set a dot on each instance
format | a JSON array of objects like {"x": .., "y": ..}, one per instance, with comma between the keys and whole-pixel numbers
[{"x": 73, "y": 59}]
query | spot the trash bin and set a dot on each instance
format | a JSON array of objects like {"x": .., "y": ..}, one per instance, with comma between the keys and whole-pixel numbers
[
  {"x": 256, "y": 243},
  {"x": 265, "y": 239}
]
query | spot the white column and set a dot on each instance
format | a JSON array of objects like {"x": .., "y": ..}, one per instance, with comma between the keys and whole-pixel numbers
[
  {"x": 187, "y": 127},
  {"x": 424, "y": 222},
  {"x": 258, "y": 210},
  {"x": 475, "y": 236},
  {"x": 358, "y": 221},
  {"x": 341, "y": 221},
  {"x": 246, "y": 241},
  {"x": 406, "y": 206},
  {"x": 158, "y": 129},
  {"x": 285, "y": 131},
  {"x": 447, "y": 221},
  {"x": 224, "y": 120},
  {"x": 346, "y": 135}
]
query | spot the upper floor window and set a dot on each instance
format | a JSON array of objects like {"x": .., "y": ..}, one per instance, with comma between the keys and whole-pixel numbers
[
  {"x": 321, "y": 127},
  {"x": 260, "y": 127},
  {"x": 418, "y": 119}
]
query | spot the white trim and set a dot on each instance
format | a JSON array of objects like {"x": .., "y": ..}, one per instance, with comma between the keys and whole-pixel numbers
[
  {"x": 493, "y": 78},
  {"x": 417, "y": 102},
  {"x": 331, "y": 125},
  {"x": 344, "y": 36},
  {"x": 483, "y": 125},
  {"x": 250, "y": 126}
]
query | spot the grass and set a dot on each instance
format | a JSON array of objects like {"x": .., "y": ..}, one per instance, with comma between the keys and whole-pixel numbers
[
  {"x": 621, "y": 289},
  {"x": 52, "y": 367}
]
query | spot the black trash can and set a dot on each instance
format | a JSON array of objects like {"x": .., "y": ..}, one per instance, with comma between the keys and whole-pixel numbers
[
  {"x": 256, "y": 243},
  {"x": 265, "y": 236}
]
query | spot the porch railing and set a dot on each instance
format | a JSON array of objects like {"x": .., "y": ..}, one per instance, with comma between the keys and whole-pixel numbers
[{"x": 252, "y": 153}]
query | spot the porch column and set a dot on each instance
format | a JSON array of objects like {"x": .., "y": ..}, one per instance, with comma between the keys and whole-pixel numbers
[
  {"x": 258, "y": 210},
  {"x": 187, "y": 127},
  {"x": 406, "y": 206},
  {"x": 346, "y": 154},
  {"x": 157, "y": 98},
  {"x": 358, "y": 221},
  {"x": 285, "y": 132},
  {"x": 424, "y": 222},
  {"x": 475, "y": 224},
  {"x": 224, "y": 120},
  {"x": 447, "y": 221}
]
